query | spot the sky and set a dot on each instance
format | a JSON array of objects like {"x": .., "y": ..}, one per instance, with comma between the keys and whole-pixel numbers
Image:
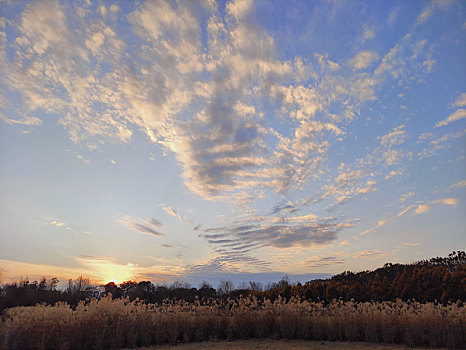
[{"x": 243, "y": 140}]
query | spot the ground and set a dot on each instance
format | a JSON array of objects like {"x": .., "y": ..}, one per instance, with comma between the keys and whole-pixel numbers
[{"x": 269, "y": 344}]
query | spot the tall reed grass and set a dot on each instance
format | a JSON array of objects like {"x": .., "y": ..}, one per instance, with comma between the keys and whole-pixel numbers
[{"x": 110, "y": 324}]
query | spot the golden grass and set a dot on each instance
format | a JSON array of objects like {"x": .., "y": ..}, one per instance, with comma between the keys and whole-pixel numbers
[
  {"x": 111, "y": 324},
  {"x": 269, "y": 344}
]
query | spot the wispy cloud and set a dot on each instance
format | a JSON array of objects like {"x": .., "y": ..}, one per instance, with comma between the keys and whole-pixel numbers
[
  {"x": 368, "y": 33},
  {"x": 406, "y": 196},
  {"x": 172, "y": 212},
  {"x": 387, "y": 220},
  {"x": 370, "y": 254},
  {"x": 81, "y": 157},
  {"x": 456, "y": 115},
  {"x": 56, "y": 222},
  {"x": 424, "y": 208},
  {"x": 150, "y": 226},
  {"x": 459, "y": 184},
  {"x": 323, "y": 261}
]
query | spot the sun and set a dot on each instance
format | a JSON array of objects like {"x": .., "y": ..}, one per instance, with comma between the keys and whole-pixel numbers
[{"x": 106, "y": 270}]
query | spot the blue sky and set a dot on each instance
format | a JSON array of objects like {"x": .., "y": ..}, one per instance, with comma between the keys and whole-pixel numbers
[{"x": 198, "y": 139}]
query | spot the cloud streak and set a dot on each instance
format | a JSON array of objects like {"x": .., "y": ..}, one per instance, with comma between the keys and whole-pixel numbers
[{"x": 150, "y": 226}]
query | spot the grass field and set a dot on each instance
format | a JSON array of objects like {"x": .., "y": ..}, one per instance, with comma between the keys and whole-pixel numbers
[
  {"x": 120, "y": 323},
  {"x": 269, "y": 344}
]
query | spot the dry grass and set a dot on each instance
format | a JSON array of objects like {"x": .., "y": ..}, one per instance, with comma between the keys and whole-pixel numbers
[
  {"x": 269, "y": 344},
  {"x": 120, "y": 323}
]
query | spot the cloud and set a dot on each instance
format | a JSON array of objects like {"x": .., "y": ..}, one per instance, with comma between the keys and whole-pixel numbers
[
  {"x": 459, "y": 184},
  {"x": 323, "y": 261},
  {"x": 424, "y": 208},
  {"x": 56, "y": 222},
  {"x": 393, "y": 173},
  {"x": 364, "y": 59},
  {"x": 345, "y": 242},
  {"x": 375, "y": 254},
  {"x": 86, "y": 161},
  {"x": 456, "y": 115},
  {"x": 296, "y": 219},
  {"x": 233, "y": 262},
  {"x": 410, "y": 244},
  {"x": 406, "y": 196},
  {"x": 244, "y": 237},
  {"x": 203, "y": 103},
  {"x": 440, "y": 143},
  {"x": 288, "y": 206},
  {"x": 461, "y": 101},
  {"x": 391, "y": 157},
  {"x": 368, "y": 33},
  {"x": 393, "y": 15},
  {"x": 27, "y": 121},
  {"x": 148, "y": 227},
  {"x": 429, "y": 10},
  {"x": 387, "y": 221},
  {"x": 172, "y": 212},
  {"x": 396, "y": 137}
]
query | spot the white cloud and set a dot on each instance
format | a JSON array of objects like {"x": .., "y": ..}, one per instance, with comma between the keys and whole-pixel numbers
[
  {"x": 449, "y": 136},
  {"x": 364, "y": 59},
  {"x": 396, "y": 137},
  {"x": 368, "y": 33},
  {"x": 393, "y": 173},
  {"x": 456, "y": 115},
  {"x": 391, "y": 157},
  {"x": 424, "y": 208},
  {"x": 387, "y": 221},
  {"x": 172, "y": 212},
  {"x": 56, "y": 222},
  {"x": 459, "y": 184},
  {"x": 406, "y": 196},
  {"x": 29, "y": 121},
  {"x": 87, "y": 161},
  {"x": 461, "y": 101}
]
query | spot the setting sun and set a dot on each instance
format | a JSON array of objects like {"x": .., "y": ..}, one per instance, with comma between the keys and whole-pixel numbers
[{"x": 105, "y": 270}]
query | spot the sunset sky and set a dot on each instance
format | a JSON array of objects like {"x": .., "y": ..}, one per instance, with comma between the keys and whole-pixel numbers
[{"x": 242, "y": 140}]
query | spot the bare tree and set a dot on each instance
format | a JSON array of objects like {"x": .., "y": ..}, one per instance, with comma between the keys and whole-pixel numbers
[
  {"x": 255, "y": 286},
  {"x": 225, "y": 287}
]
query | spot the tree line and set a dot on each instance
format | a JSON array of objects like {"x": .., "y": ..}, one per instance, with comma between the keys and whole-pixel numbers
[{"x": 441, "y": 279}]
